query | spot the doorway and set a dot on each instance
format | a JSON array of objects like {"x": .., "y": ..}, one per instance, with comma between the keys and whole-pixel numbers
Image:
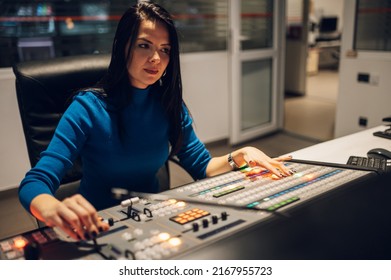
[{"x": 310, "y": 108}]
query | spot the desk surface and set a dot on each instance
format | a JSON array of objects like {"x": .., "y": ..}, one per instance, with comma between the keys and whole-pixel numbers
[{"x": 339, "y": 149}]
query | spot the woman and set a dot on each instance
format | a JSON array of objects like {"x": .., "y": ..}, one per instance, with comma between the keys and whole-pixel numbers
[{"x": 125, "y": 129}]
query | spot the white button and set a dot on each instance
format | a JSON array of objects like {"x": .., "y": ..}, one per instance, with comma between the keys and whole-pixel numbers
[
  {"x": 138, "y": 231},
  {"x": 143, "y": 217},
  {"x": 138, "y": 246},
  {"x": 127, "y": 236},
  {"x": 147, "y": 242},
  {"x": 155, "y": 255},
  {"x": 140, "y": 255},
  {"x": 155, "y": 240}
]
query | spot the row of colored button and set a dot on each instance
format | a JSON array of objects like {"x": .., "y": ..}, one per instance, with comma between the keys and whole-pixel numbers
[
  {"x": 228, "y": 191},
  {"x": 215, "y": 188},
  {"x": 302, "y": 185},
  {"x": 283, "y": 203},
  {"x": 189, "y": 216}
]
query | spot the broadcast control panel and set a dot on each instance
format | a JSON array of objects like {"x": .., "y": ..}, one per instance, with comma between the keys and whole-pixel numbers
[{"x": 177, "y": 223}]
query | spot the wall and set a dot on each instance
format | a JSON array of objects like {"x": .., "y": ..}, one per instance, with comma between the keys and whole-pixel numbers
[
  {"x": 296, "y": 47},
  {"x": 205, "y": 85},
  {"x": 356, "y": 99},
  {"x": 295, "y": 66},
  {"x": 13, "y": 153}
]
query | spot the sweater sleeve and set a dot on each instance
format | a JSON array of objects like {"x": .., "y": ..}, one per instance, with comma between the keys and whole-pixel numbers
[
  {"x": 67, "y": 141},
  {"x": 193, "y": 155}
]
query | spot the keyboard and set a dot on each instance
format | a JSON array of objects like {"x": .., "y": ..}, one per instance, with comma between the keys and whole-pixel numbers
[
  {"x": 384, "y": 134},
  {"x": 382, "y": 165}
]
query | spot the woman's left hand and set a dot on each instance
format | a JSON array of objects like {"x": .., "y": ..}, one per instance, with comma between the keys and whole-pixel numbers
[{"x": 252, "y": 157}]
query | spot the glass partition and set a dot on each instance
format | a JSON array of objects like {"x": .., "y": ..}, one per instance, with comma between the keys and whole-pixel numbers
[
  {"x": 202, "y": 24},
  {"x": 32, "y": 30},
  {"x": 373, "y": 25},
  {"x": 256, "y": 93},
  {"x": 257, "y": 24}
]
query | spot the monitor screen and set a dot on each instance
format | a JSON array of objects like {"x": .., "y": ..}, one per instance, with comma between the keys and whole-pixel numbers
[{"x": 328, "y": 24}]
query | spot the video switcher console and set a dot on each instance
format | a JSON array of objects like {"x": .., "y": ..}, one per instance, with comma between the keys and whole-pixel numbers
[{"x": 241, "y": 214}]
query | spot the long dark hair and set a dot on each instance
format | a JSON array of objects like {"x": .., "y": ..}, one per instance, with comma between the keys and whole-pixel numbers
[{"x": 170, "y": 85}]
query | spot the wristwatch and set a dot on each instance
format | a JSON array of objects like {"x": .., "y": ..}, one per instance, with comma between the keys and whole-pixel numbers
[{"x": 232, "y": 163}]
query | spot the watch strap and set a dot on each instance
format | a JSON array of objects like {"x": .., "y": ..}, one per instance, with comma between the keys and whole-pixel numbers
[{"x": 232, "y": 163}]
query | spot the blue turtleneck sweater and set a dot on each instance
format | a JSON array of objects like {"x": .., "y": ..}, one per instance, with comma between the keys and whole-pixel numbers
[{"x": 89, "y": 129}]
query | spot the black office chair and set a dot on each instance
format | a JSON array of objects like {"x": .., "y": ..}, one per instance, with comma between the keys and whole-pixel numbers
[{"x": 43, "y": 89}]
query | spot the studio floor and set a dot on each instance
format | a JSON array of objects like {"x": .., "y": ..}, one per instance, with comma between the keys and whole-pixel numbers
[{"x": 308, "y": 120}]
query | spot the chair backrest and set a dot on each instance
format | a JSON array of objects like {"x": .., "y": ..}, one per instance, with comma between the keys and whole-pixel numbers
[{"x": 43, "y": 89}]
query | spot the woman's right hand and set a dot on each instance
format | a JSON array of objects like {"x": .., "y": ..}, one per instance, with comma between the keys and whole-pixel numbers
[{"x": 74, "y": 215}]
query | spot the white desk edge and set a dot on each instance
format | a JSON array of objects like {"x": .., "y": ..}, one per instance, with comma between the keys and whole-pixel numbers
[{"x": 338, "y": 150}]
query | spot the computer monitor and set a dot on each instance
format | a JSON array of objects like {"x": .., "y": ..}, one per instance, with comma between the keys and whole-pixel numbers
[{"x": 328, "y": 24}]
